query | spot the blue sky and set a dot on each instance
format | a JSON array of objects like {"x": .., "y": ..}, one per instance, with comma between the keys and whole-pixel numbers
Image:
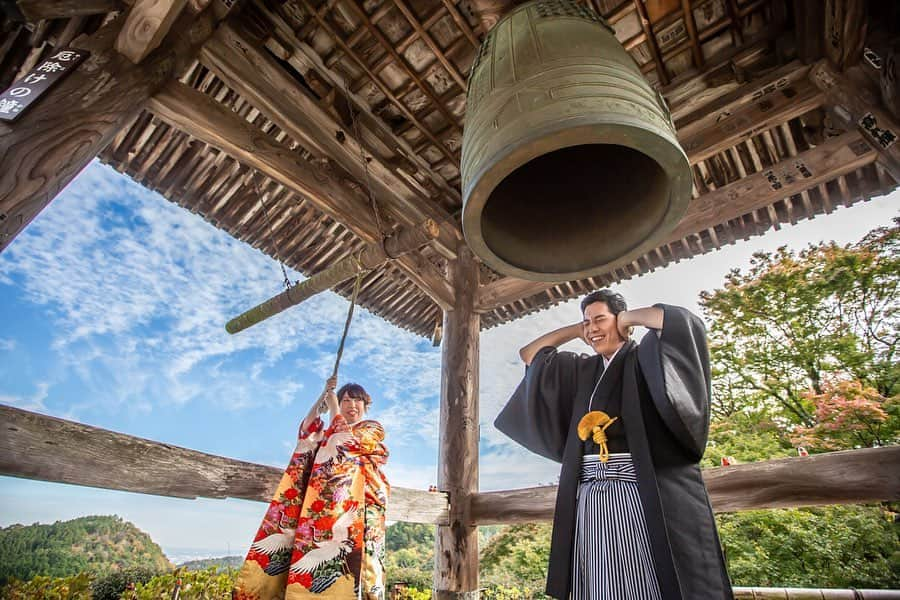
[{"x": 114, "y": 303}]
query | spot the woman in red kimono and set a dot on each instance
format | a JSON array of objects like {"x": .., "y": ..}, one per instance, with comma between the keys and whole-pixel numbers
[{"x": 323, "y": 535}]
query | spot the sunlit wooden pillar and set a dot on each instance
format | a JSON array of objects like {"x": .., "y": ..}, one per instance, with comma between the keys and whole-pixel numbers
[
  {"x": 456, "y": 545},
  {"x": 51, "y": 142}
]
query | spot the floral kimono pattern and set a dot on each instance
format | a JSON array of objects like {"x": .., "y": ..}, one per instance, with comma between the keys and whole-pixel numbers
[{"x": 323, "y": 535}]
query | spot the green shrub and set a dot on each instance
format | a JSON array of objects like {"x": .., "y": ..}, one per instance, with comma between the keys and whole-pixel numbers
[
  {"x": 110, "y": 586},
  {"x": 75, "y": 587}
]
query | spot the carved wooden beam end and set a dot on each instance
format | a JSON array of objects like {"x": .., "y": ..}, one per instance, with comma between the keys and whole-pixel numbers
[{"x": 147, "y": 23}]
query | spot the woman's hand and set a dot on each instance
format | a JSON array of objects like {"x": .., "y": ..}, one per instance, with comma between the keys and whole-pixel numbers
[{"x": 331, "y": 399}]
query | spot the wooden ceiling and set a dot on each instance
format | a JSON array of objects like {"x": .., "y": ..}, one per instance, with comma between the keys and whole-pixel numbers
[{"x": 293, "y": 108}]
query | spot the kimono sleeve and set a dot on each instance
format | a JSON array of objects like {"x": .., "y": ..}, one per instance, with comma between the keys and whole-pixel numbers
[
  {"x": 538, "y": 414},
  {"x": 675, "y": 365}
]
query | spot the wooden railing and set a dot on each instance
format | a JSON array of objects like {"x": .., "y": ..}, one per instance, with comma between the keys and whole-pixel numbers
[{"x": 36, "y": 446}]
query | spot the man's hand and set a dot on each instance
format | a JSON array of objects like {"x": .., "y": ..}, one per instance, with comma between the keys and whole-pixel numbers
[
  {"x": 623, "y": 326},
  {"x": 555, "y": 338}
]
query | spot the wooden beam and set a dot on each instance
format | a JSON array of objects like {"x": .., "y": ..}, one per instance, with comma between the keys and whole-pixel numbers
[
  {"x": 647, "y": 26},
  {"x": 750, "y": 118},
  {"x": 39, "y": 10},
  {"x": 845, "y": 32},
  {"x": 489, "y": 12},
  {"x": 305, "y": 58},
  {"x": 809, "y": 28},
  {"x": 456, "y": 544},
  {"x": 204, "y": 119},
  {"x": 793, "y": 175},
  {"x": 858, "y": 105},
  {"x": 35, "y": 446},
  {"x": 837, "y": 156},
  {"x": 56, "y": 138},
  {"x": 852, "y": 476},
  {"x": 146, "y": 24},
  {"x": 426, "y": 37},
  {"x": 239, "y": 60},
  {"x": 706, "y": 115},
  {"x": 388, "y": 93}
]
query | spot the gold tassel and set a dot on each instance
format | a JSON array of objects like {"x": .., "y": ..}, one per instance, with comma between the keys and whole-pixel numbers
[{"x": 594, "y": 424}]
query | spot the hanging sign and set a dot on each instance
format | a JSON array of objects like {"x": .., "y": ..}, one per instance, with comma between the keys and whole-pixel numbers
[{"x": 41, "y": 78}]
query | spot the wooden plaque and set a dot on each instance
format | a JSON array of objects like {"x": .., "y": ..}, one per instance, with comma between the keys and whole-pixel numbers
[{"x": 26, "y": 91}]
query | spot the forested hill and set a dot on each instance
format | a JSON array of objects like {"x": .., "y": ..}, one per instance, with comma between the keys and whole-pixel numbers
[
  {"x": 96, "y": 544},
  {"x": 223, "y": 563}
]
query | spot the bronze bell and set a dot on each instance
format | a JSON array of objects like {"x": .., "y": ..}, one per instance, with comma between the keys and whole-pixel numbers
[{"x": 570, "y": 163}]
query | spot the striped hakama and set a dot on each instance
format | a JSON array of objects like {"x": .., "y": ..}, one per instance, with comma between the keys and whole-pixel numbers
[{"x": 612, "y": 558}]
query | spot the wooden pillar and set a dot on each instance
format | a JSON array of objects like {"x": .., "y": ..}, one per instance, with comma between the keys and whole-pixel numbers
[
  {"x": 43, "y": 150},
  {"x": 456, "y": 545}
]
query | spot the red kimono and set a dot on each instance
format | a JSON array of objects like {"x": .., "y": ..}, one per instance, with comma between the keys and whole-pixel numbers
[{"x": 323, "y": 535}]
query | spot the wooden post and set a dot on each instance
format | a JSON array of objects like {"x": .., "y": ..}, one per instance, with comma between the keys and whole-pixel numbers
[
  {"x": 43, "y": 150},
  {"x": 456, "y": 544}
]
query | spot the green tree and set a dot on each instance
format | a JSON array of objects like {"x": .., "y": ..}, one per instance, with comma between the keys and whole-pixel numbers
[
  {"x": 110, "y": 586},
  {"x": 97, "y": 544},
  {"x": 746, "y": 438},
  {"x": 795, "y": 320},
  {"x": 410, "y": 555},
  {"x": 517, "y": 557},
  {"x": 850, "y": 415},
  {"x": 834, "y": 546}
]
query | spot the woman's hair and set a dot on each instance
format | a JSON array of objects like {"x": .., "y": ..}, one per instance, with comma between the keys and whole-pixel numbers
[
  {"x": 613, "y": 300},
  {"x": 354, "y": 390}
]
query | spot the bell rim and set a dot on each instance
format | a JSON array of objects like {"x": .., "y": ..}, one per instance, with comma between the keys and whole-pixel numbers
[{"x": 557, "y": 136}]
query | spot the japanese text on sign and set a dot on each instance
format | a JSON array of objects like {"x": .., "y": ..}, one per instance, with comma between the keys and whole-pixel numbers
[
  {"x": 24, "y": 92},
  {"x": 883, "y": 136}
]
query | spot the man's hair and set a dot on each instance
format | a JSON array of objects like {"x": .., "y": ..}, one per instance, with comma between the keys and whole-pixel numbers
[
  {"x": 354, "y": 390},
  {"x": 613, "y": 300}
]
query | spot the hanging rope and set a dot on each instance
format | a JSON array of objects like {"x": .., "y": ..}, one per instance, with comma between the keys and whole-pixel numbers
[
  {"x": 340, "y": 352},
  {"x": 365, "y": 164},
  {"x": 262, "y": 202}
]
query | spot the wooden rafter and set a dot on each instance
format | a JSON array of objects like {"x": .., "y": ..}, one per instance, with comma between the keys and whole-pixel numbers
[
  {"x": 377, "y": 81},
  {"x": 647, "y": 26},
  {"x": 239, "y": 60},
  {"x": 769, "y": 110},
  {"x": 39, "y": 10},
  {"x": 461, "y": 22},
  {"x": 691, "y": 24},
  {"x": 306, "y": 58},
  {"x": 422, "y": 30},
  {"x": 203, "y": 118},
  {"x": 863, "y": 112},
  {"x": 403, "y": 63}
]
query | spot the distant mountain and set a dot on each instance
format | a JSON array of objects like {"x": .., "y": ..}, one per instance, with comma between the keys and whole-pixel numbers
[
  {"x": 224, "y": 562},
  {"x": 96, "y": 544}
]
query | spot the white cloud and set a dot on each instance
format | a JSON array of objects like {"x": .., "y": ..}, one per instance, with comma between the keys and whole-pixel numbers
[
  {"x": 34, "y": 402},
  {"x": 417, "y": 477},
  {"x": 139, "y": 291},
  {"x": 7, "y": 344}
]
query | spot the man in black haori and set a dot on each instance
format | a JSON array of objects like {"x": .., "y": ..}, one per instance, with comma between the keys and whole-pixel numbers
[{"x": 629, "y": 425}]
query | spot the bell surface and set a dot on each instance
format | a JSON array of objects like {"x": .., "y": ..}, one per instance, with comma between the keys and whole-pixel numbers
[{"x": 570, "y": 163}]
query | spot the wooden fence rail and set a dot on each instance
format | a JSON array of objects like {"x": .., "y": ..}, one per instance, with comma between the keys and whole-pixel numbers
[
  {"x": 36, "y": 446},
  {"x": 851, "y": 476}
]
